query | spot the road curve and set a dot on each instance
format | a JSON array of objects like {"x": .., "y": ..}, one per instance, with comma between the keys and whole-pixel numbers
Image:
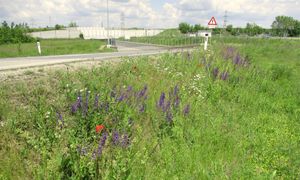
[{"x": 124, "y": 49}]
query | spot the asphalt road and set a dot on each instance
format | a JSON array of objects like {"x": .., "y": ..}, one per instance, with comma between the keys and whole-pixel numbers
[{"x": 124, "y": 49}]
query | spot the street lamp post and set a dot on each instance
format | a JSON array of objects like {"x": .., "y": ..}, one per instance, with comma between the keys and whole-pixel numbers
[{"x": 107, "y": 12}]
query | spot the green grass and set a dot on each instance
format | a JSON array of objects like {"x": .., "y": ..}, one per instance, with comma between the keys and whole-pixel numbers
[
  {"x": 54, "y": 47},
  {"x": 169, "y": 40},
  {"x": 245, "y": 127},
  {"x": 170, "y": 37}
]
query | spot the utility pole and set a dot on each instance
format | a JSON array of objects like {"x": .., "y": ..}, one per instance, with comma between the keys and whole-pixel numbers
[
  {"x": 224, "y": 22},
  {"x": 49, "y": 21},
  {"x": 107, "y": 12},
  {"x": 122, "y": 24},
  {"x": 32, "y": 22}
]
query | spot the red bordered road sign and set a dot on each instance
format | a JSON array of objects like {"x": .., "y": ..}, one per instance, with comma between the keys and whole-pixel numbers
[{"x": 212, "y": 22}]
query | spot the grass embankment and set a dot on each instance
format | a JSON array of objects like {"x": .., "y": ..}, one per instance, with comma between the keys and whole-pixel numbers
[
  {"x": 54, "y": 47},
  {"x": 232, "y": 114},
  {"x": 170, "y": 37}
]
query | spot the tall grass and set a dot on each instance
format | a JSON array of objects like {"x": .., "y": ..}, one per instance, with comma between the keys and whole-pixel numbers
[{"x": 174, "y": 116}]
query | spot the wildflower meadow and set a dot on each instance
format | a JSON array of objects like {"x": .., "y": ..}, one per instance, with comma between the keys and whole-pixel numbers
[{"x": 229, "y": 113}]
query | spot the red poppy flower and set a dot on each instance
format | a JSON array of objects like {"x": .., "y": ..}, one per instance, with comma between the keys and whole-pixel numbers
[{"x": 99, "y": 128}]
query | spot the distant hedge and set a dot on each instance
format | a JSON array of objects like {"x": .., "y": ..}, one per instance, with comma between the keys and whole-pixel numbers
[{"x": 15, "y": 33}]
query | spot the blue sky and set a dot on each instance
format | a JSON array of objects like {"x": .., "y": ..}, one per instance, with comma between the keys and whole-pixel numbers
[{"x": 146, "y": 13}]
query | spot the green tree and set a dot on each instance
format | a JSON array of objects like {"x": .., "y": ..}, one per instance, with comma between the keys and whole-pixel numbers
[
  {"x": 229, "y": 28},
  {"x": 284, "y": 26},
  {"x": 184, "y": 28},
  {"x": 198, "y": 27},
  {"x": 73, "y": 24},
  {"x": 58, "y": 27},
  {"x": 253, "y": 29}
]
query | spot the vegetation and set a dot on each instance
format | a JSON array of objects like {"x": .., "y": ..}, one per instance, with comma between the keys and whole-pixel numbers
[
  {"x": 283, "y": 26},
  {"x": 186, "y": 28},
  {"x": 15, "y": 33},
  {"x": 73, "y": 24},
  {"x": 59, "y": 27},
  {"x": 286, "y": 26},
  {"x": 54, "y": 47},
  {"x": 231, "y": 113}
]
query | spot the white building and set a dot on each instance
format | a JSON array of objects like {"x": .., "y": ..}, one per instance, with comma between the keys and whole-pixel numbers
[{"x": 96, "y": 33}]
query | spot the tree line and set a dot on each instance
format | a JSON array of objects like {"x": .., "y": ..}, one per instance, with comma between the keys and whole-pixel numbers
[
  {"x": 283, "y": 26},
  {"x": 19, "y": 33},
  {"x": 14, "y": 33}
]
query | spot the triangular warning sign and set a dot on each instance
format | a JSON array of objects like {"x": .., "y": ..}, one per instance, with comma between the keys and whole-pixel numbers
[{"x": 212, "y": 21}]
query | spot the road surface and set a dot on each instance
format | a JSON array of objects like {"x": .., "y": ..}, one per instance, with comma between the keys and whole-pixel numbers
[{"x": 124, "y": 49}]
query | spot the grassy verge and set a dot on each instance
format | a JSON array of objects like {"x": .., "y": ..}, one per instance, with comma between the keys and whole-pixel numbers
[
  {"x": 169, "y": 41},
  {"x": 54, "y": 47},
  {"x": 229, "y": 114}
]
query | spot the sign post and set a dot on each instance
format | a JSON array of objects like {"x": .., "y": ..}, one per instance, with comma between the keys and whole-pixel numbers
[
  {"x": 39, "y": 47},
  {"x": 205, "y": 43},
  {"x": 211, "y": 25}
]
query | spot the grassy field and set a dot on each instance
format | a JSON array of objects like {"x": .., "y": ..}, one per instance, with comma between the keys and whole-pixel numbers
[
  {"x": 171, "y": 37},
  {"x": 54, "y": 47},
  {"x": 231, "y": 113}
]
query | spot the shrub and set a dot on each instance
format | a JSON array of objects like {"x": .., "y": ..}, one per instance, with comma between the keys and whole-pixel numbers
[
  {"x": 81, "y": 36},
  {"x": 14, "y": 33}
]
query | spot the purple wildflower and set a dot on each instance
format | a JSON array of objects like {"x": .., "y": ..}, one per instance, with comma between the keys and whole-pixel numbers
[
  {"x": 161, "y": 100},
  {"x": 60, "y": 119},
  {"x": 129, "y": 88},
  {"x": 96, "y": 102},
  {"x": 143, "y": 91},
  {"x": 229, "y": 53},
  {"x": 186, "y": 110},
  {"x": 142, "y": 108},
  {"x": 106, "y": 106},
  {"x": 215, "y": 72},
  {"x": 237, "y": 60},
  {"x": 224, "y": 76},
  {"x": 75, "y": 106},
  {"x": 115, "y": 137},
  {"x": 176, "y": 90},
  {"x": 125, "y": 141},
  {"x": 176, "y": 102},
  {"x": 167, "y": 106},
  {"x": 102, "y": 143},
  {"x": 94, "y": 155},
  {"x": 121, "y": 98}
]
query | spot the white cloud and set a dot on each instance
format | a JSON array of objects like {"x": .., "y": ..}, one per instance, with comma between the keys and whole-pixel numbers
[{"x": 141, "y": 13}]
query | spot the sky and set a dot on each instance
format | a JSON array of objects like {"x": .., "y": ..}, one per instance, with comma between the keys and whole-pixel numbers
[{"x": 146, "y": 13}]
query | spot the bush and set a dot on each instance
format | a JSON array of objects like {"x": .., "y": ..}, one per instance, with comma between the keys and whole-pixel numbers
[
  {"x": 14, "y": 33},
  {"x": 81, "y": 36}
]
